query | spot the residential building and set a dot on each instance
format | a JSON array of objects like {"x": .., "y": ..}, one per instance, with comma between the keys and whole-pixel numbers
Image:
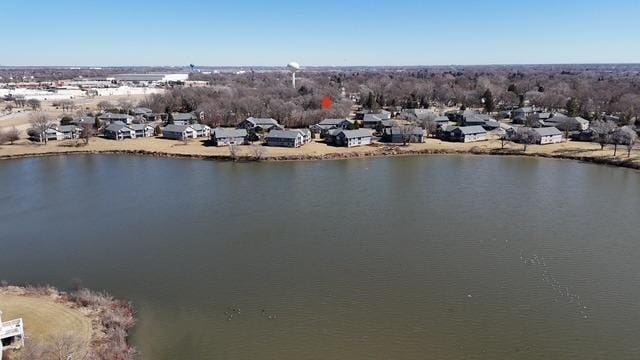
[
  {"x": 548, "y": 135},
  {"x": 402, "y": 135},
  {"x": 330, "y": 124},
  {"x": 464, "y": 133},
  {"x": 70, "y": 131},
  {"x": 142, "y": 111},
  {"x": 571, "y": 123},
  {"x": 351, "y": 138},
  {"x": 179, "y": 132},
  {"x": 11, "y": 334},
  {"x": 142, "y": 130},
  {"x": 119, "y": 131},
  {"x": 113, "y": 117},
  {"x": 201, "y": 130},
  {"x": 285, "y": 138},
  {"x": 184, "y": 118},
  {"x": 84, "y": 120},
  {"x": 224, "y": 137},
  {"x": 260, "y": 124}
]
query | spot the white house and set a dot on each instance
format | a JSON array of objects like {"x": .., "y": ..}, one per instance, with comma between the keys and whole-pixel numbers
[
  {"x": 548, "y": 135},
  {"x": 11, "y": 334},
  {"x": 201, "y": 130},
  {"x": 142, "y": 130}
]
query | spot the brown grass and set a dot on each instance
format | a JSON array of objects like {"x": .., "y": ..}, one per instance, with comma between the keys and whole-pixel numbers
[{"x": 82, "y": 324}]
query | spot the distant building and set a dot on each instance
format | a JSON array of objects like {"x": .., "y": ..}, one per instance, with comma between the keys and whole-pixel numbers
[
  {"x": 113, "y": 117},
  {"x": 571, "y": 123},
  {"x": 84, "y": 120},
  {"x": 285, "y": 138},
  {"x": 224, "y": 137},
  {"x": 142, "y": 111},
  {"x": 119, "y": 131},
  {"x": 178, "y": 132},
  {"x": 184, "y": 118},
  {"x": 330, "y": 124},
  {"x": 417, "y": 114},
  {"x": 260, "y": 124},
  {"x": 519, "y": 116},
  {"x": 150, "y": 79}
]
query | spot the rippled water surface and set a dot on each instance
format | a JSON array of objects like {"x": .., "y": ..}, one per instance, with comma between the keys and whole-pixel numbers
[{"x": 393, "y": 258}]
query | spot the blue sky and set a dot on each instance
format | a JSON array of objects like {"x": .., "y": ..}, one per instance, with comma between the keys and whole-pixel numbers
[{"x": 330, "y": 32}]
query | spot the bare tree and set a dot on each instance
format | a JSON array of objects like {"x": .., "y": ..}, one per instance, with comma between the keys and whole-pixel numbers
[
  {"x": 504, "y": 138},
  {"x": 233, "y": 152},
  {"x": 40, "y": 122},
  {"x": 258, "y": 152},
  {"x": 104, "y": 105},
  {"x": 87, "y": 132},
  {"x": 10, "y": 136},
  {"x": 526, "y": 136},
  {"x": 66, "y": 105},
  {"x": 602, "y": 132},
  {"x": 34, "y": 104},
  {"x": 565, "y": 124},
  {"x": 125, "y": 105},
  {"x": 624, "y": 136}
]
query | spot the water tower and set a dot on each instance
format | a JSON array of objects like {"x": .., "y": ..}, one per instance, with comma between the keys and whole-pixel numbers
[{"x": 294, "y": 67}]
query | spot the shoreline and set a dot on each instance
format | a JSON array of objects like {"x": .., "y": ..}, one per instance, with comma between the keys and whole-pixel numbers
[
  {"x": 583, "y": 152},
  {"x": 88, "y": 323}
]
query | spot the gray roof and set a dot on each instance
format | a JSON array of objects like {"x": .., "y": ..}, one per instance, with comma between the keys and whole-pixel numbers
[
  {"x": 176, "y": 128},
  {"x": 372, "y": 117},
  {"x": 441, "y": 119},
  {"x": 263, "y": 121},
  {"x": 115, "y": 127},
  {"x": 334, "y": 122},
  {"x": 416, "y": 130},
  {"x": 547, "y": 131},
  {"x": 183, "y": 116},
  {"x": 198, "y": 127},
  {"x": 139, "y": 126},
  {"x": 283, "y": 134},
  {"x": 467, "y": 130},
  {"x": 220, "y": 133},
  {"x": 114, "y": 116},
  {"x": 142, "y": 110},
  {"x": 68, "y": 128},
  {"x": 351, "y": 134}
]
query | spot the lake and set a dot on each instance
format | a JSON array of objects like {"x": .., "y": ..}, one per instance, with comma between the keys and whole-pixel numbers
[{"x": 472, "y": 257}]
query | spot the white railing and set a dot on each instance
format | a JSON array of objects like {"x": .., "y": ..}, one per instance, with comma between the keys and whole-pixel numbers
[{"x": 11, "y": 328}]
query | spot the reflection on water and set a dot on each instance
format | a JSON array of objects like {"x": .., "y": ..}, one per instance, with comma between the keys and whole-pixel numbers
[{"x": 403, "y": 258}]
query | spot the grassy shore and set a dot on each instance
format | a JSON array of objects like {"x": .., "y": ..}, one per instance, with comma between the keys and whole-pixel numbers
[
  {"x": 82, "y": 324},
  {"x": 317, "y": 150}
]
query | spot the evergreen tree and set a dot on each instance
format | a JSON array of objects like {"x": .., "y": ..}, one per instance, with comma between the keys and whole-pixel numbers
[
  {"x": 573, "y": 107},
  {"x": 489, "y": 105}
]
